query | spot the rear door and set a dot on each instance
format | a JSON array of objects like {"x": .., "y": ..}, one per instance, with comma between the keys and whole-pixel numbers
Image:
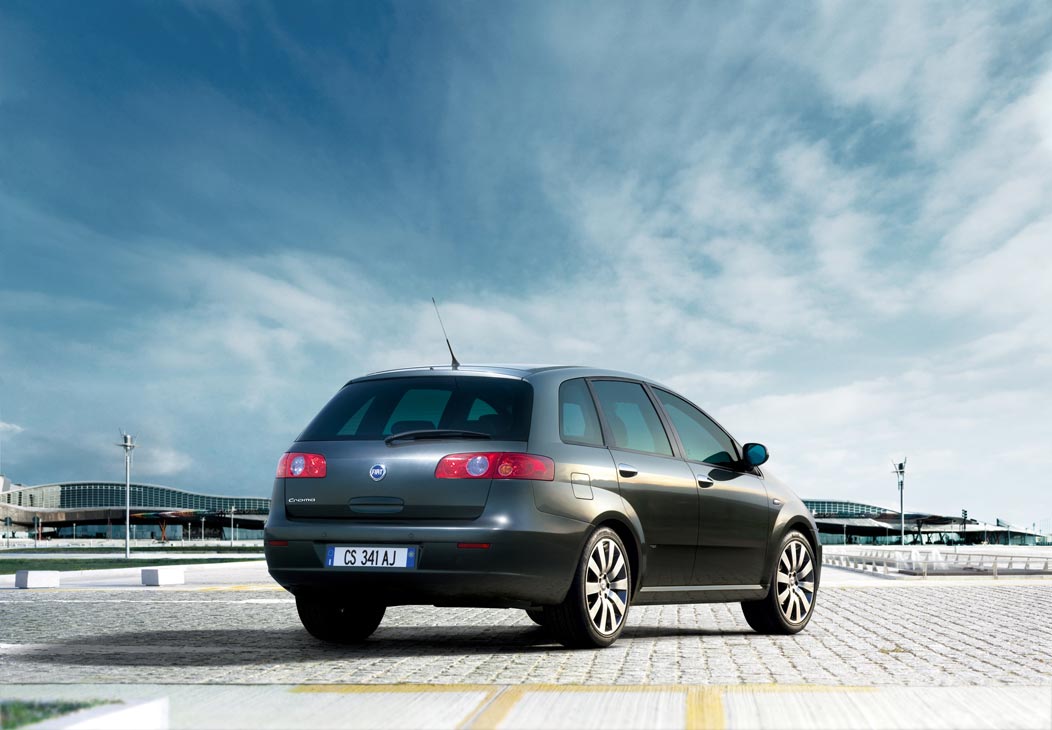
[
  {"x": 370, "y": 476},
  {"x": 734, "y": 510},
  {"x": 660, "y": 487}
]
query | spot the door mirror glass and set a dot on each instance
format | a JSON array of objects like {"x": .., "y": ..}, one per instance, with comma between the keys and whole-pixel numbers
[{"x": 754, "y": 454}]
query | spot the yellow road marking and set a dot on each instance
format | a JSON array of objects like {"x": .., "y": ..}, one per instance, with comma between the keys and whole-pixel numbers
[
  {"x": 490, "y": 690},
  {"x": 705, "y": 708},
  {"x": 774, "y": 688},
  {"x": 377, "y": 688},
  {"x": 481, "y": 707},
  {"x": 248, "y": 587},
  {"x": 704, "y": 703},
  {"x": 497, "y": 709},
  {"x": 709, "y": 714}
]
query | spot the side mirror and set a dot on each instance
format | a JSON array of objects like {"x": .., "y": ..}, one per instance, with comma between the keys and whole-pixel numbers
[{"x": 754, "y": 454}]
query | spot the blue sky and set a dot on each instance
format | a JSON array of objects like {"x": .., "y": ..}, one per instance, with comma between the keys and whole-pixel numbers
[{"x": 830, "y": 225}]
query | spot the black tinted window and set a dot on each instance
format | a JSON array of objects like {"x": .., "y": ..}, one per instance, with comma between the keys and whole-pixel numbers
[
  {"x": 702, "y": 439},
  {"x": 633, "y": 421},
  {"x": 578, "y": 420},
  {"x": 375, "y": 409}
]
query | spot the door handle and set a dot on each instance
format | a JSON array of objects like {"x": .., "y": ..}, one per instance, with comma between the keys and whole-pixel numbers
[
  {"x": 627, "y": 470},
  {"x": 705, "y": 482}
]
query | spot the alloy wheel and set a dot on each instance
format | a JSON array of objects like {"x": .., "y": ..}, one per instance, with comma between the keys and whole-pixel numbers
[
  {"x": 796, "y": 582},
  {"x": 606, "y": 586}
]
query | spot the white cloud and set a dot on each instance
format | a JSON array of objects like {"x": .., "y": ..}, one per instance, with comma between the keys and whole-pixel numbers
[
  {"x": 717, "y": 387},
  {"x": 10, "y": 428},
  {"x": 871, "y": 265},
  {"x": 814, "y": 179},
  {"x": 962, "y": 434},
  {"x": 990, "y": 187},
  {"x": 904, "y": 60},
  {"x": 160, "y": 461},
  {"x": 1013, "y": 280},
  {"x": 1009, "y": 206},
  {"x": 842, "y": 243}
]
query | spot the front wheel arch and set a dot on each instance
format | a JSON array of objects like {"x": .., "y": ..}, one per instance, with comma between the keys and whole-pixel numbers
[
  {"x": 802, "y": 526},
  {"x": 774, "y": 613}
]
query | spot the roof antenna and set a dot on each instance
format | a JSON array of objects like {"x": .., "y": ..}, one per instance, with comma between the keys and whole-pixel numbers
[{"x": 456, "y": 364}]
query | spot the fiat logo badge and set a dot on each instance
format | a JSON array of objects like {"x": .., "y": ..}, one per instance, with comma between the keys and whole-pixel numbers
[{"x": 377, "y": 472}]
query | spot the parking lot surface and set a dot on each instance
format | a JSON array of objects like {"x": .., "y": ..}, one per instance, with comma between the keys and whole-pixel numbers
[{"x": 871, "y": 640}]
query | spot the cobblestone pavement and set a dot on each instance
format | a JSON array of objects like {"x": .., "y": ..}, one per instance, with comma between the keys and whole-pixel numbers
[{"x": 894, "y": 635}]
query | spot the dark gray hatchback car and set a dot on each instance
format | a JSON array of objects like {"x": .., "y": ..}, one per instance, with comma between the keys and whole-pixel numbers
[{"x": 570, "y": 492}]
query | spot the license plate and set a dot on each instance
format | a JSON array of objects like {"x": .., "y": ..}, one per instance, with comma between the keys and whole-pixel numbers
[{"x": 370, "y": 556}]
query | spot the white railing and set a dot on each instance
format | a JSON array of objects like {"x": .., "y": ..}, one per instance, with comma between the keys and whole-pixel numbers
[
  {"x": 935, "y": 562},
  {"x": 28, "y": 544}
]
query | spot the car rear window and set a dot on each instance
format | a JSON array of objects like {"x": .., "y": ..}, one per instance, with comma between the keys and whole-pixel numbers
[{"x": 374, "y": 409}]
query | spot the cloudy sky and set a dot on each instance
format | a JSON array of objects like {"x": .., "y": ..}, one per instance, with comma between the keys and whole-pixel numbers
[{"x": 829, "y": 225}]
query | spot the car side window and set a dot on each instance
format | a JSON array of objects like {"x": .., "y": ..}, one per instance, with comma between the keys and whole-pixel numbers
[
  {"x": 578, "y": 420},
  {"x": 633, "y": 420},
  {"x": 702, "y": 439}
]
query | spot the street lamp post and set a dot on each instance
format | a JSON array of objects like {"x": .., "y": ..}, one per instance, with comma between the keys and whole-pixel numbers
[
  {"x": 128, "y": 444},
  {"x": 232, "y": 511},
  {"x": 202, "y": 528},
  {"x": 900, "y": 471}
]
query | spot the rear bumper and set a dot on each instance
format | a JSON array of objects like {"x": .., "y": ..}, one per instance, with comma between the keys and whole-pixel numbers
[{"x": 530, "y": 561}]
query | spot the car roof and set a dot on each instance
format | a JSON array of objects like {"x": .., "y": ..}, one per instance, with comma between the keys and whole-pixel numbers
[{"x": 523, "y": 372}]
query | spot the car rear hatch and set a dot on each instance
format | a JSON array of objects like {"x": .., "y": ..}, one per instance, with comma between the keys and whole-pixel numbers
[{"x": 382, "y": 440}]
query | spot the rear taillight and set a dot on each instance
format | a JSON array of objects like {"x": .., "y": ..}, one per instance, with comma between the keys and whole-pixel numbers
[
  {"x": 495, "y": 465},
  {"x": 301, "y": 466}
]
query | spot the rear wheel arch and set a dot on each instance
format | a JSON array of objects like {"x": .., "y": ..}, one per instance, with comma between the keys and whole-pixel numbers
[
  {"x": 594, "y": 617},
  {"x": 632, "y": 545}
]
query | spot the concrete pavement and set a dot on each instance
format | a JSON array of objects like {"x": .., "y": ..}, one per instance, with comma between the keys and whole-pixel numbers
[
  {"x": 227, "y": 651},
  {"x": 567, "y": 706}
]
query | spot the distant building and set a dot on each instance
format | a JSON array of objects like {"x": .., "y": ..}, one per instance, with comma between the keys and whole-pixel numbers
[
  {"x": 842, "y": 522},
  {"x": 97, "y": 509}
]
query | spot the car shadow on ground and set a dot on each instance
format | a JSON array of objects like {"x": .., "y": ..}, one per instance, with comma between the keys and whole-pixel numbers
[{"x": 247, "y": 647}]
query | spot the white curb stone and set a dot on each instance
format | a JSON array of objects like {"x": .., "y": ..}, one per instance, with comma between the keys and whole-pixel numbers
[
  {"x": 36, "y": 579},
  {"x": 169, "y": 576},
  {"x": 144, "y": 715}
]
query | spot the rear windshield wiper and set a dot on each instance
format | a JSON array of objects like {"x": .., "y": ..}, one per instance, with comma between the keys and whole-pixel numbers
[{"x": 436, "y": 433}]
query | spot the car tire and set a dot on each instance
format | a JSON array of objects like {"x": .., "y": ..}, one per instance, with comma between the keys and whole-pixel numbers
[
  {"x": 596, "y": 606},
  {"x": 790, "y": 601},
  {"x": 537, "y": 616},
  {"x": 338, "y": 623}
]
